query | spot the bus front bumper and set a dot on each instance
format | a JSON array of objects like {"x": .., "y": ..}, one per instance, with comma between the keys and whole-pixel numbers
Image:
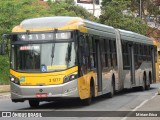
[{"x": 44, "y": 93}]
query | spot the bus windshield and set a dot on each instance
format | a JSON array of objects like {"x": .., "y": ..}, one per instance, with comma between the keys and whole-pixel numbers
[{"x": 43, "y": 57}]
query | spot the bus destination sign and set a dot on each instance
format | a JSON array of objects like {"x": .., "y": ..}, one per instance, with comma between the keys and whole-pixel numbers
[
  {"x": 44, "y": 36},
  {"x": 31, "y": 37}
]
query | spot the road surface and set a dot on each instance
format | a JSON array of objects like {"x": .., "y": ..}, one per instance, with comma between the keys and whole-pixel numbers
[{"x": 129, "y": 100}]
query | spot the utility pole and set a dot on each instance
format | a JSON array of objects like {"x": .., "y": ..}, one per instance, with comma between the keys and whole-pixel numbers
[
  {"x": 140, "y": 9},
  {"x": 94, "y": 2}
]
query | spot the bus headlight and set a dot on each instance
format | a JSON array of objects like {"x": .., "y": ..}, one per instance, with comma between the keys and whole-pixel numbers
[
  {"x": 70, "y": 77},
  {"x": 14, "y": 80}
]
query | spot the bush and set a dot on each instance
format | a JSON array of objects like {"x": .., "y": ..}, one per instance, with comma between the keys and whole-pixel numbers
[{"x": 4, "y": 69}]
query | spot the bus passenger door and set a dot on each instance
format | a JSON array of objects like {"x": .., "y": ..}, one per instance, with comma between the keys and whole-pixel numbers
[
  {"x": 132, "y": 66},
  {"x": 98, "y": 65},
  {"x": 153, "y": 65}
]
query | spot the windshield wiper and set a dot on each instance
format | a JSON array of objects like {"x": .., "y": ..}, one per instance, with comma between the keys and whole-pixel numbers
[
  {"x": 69, "y": 52},
  {"x": 52, "y": 54}
]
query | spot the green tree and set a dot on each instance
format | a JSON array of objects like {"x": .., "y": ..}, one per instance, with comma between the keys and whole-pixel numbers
[
  {"x": 117, "y": 13},
  {"x": 150, "y": 13},
  {"x": 149, "y": 7},
  {"x": 12, "y": 12}
]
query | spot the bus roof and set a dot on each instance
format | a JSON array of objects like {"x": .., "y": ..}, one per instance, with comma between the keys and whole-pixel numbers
[
  {"x": 99, "y": 29},
  {"x": 132, "y": 36},
  {"x": 76, "y": 23},
  {"x": 49, "y": 23},
  {"x": 65, "y": 23}
]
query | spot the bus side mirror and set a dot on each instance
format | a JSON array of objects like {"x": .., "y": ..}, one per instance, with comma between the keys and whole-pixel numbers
[{"x": 2, "y": 49}]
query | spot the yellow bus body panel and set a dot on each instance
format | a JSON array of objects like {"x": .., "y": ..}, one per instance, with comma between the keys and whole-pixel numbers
[
  {"x": 84, "y": 85},
  {"x": 157, "y": 63},
  {"x": 33, "y": 79}
]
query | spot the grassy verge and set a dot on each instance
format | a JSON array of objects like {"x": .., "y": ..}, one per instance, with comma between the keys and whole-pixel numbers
[
  {"x": 4, "y": 70},
  {"x": 4, "y": 81}
]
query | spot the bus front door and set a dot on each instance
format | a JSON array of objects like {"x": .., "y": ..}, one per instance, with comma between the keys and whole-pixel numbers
[
  {"x": 98, "y": 65},
  {"x": 153, "y": 66}
]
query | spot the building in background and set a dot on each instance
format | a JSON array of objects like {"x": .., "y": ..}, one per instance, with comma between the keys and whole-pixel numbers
[{"x": 92, "y": 6}]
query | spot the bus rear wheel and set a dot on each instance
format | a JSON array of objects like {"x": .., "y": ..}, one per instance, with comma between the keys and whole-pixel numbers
[
  {"x": 148, "y": 86},
  {"x": 112, "y": 92},
  {"x": 149, "y": 82},
  {"x": 33, "y": 103},
  {"x": 143, "y": 87}
]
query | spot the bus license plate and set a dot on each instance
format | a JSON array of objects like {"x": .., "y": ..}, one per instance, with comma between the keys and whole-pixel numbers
[{"x": 40, "y": 95}]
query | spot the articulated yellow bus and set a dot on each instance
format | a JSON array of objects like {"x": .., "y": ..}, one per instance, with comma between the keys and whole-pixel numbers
[{"x": 69, "y": 57}]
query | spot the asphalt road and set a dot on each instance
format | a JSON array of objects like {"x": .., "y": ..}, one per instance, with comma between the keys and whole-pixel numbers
[{"x": 128, "y": 100}]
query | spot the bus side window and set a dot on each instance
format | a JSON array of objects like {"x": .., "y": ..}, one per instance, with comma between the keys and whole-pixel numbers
[
  {"x": 125, "y": 51},
  {"x": 144, "y": 56},
  {"x": 155, "y": 53},
  {"x": 106, "y": 46},
  {"x": 136, "y": 55},
  {"x": 84, "y": 53},
  {"x": 92, "y": 52},
  {"x": 102, "y": 53},
  {"x": 139, "y": 53},
  {"x": 110, "y": 53},
  {"x": 149, "y": 53},
  {"x": 114, "y": 54},
  {"x": 146, "y": 52}
]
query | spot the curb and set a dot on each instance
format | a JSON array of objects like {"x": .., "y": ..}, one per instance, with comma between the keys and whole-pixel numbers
[
  {"x": 5, "y": 95},
  {"x": 4, "y": 88}
]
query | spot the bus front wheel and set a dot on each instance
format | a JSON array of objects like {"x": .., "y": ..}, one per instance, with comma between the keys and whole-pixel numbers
[
  {"x": 33, "y": 103},
  {"x": 89, "y": 100}
]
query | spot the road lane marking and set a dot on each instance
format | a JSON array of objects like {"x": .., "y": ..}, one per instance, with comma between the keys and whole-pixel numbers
[
  {"x": 140, "y": 105},
  {"x": 145, "y": 101}
]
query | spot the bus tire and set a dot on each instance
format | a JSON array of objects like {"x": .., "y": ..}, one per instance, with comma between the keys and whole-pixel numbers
[
  {"x": 150, "y": 80},
  {"x": 147, "y": 87},
  {"x": 89, "y": 100},
  {"x": 33, "y": 103},
  {"x": 142, "y": 88},
  {"x": 112, "y": 92}
]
